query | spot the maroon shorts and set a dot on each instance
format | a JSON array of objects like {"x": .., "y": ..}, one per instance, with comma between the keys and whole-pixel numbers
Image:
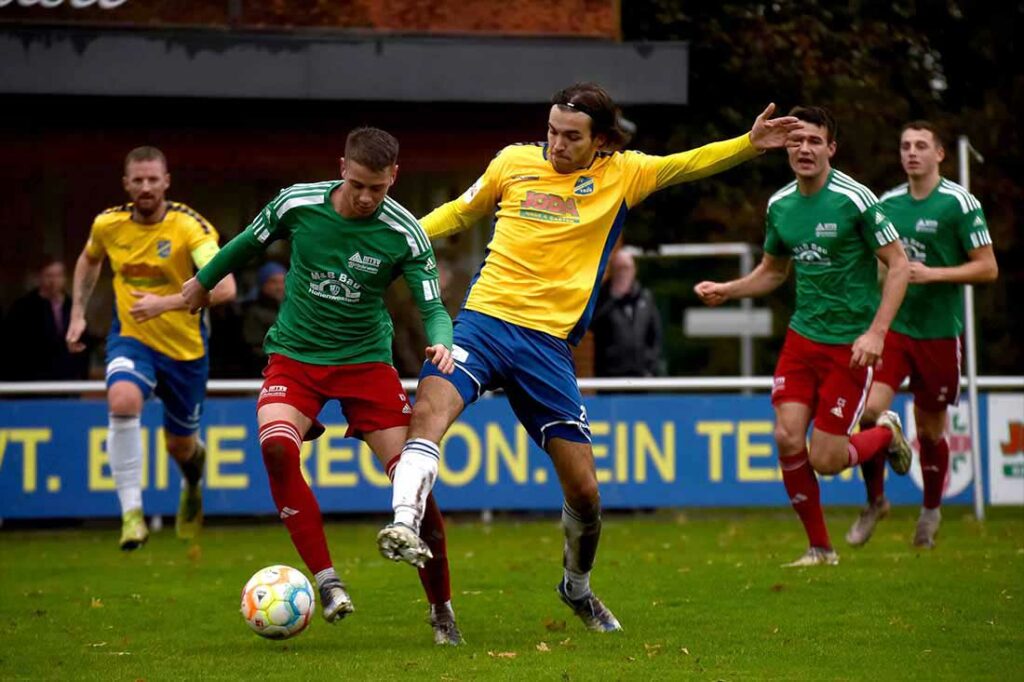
[
  {"x": 370, "y": 393},
  {"x": 933, "y": 366},
  {"x": 819, "y": 375}
]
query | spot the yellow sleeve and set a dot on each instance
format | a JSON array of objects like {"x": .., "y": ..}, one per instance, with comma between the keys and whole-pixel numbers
[
  {"x": 476, "y": 202},
  {"x": 94, "y": 247},
  {"x": 202, "y": 239},
  {"x": 658, "y": 172}
]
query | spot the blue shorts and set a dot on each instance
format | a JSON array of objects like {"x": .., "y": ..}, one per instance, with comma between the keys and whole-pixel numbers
[
  {"x": 180, "y": 384},
  {"x": 535, "y": 369}
]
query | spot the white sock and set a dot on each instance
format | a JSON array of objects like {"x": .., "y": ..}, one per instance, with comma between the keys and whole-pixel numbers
[
  {"x": 414, "y": 479},
  {"x": 577, "y": 585},
  {"x": 326, "y": 575},
  {"x": 124, "y": 447}
]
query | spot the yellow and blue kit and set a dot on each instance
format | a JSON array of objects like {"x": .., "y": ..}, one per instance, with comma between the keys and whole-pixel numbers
[
  {"x": 166, "y": 354},
  {"x": 536, "y": 289}
]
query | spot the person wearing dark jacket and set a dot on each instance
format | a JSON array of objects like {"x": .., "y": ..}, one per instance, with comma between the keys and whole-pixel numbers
[
  {"x": 626, "y": 326},
  {"x": 33, "y": 332}
]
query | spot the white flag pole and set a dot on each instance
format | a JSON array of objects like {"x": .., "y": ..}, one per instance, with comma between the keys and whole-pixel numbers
[{"x": 965, "y": 151}]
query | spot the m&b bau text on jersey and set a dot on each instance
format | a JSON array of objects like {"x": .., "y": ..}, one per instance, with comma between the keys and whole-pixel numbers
[{"x": 334, "y": 286}]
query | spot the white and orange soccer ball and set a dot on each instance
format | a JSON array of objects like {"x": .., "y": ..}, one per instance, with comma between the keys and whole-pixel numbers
[{"x": 278, "y": 602}]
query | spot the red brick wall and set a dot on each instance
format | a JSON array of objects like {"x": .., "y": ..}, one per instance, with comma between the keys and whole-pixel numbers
[{"x": 580, "y": 18}]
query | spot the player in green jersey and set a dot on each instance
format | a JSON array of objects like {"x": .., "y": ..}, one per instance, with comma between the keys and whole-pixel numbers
[
  {"x": 831, "y": 229},
  {"x": 946, "y": 238},
  {"x": 332, "y": 341}
]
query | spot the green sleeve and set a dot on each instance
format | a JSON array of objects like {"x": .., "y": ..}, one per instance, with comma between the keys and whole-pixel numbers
[
  {"x": 250, "y": 242},
  {"x": 972, "y": 229},
  {"x": 773, "y": 243},
  {"x": 878, "y": 230},
  {"x": 420, "y": 273},
  {"x": 234, "y": 255}
]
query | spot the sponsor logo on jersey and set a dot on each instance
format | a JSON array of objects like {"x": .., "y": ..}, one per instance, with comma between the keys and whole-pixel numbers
[
  {"x": 812, "y": 254},
  {"x": 431, "y": 264},
  {"x": 143, "y": 275},
  {"x": 163, "y": 248},
  {"x": 524, "y": 178},
  {"x": 549, "y": 207},
  {"x": 273, "y": 391},
  {"x": 879, "y": 218},
  {"x": 978, "y": 222},
  {"x": 826, "y": 230},
  {"x": 363, "y": 263},
  {"x": 406, "y": 409},
  {"x": 917, "y": 252},
  {"x": 584, "y": 186},
  {"x": 473, "y": 190},
  {"x": 927, "y": 225},
  {"x": 334, "y": 286}
]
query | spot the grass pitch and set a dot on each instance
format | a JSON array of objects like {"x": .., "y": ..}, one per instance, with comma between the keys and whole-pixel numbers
[{"x": 700, "y": 595}]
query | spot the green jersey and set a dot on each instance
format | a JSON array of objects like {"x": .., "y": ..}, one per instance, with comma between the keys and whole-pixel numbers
[
  {"x": 333, "y": 312},
  {"x": 938, "y": 231},
  {"x": 831, "y": 236}
]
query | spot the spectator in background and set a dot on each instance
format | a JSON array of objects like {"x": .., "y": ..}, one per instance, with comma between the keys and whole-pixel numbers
[
  {"x": 626, "y": 326},
  {"x": 33, "y": 332},
  {"x": 260, "y": 314}
]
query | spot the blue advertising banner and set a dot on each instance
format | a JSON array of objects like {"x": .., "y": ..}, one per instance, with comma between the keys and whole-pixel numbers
[{"x": 650, "y": 451}]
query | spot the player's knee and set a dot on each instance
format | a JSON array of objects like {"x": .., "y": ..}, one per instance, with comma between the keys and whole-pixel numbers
[
  {"x": 789, "y": 440},
  {"x": 180, "y": 448},
  {"x": 930, "y": 434},
  {"x": 870, "y": 416},
  {"x": 584, "y": 498},
  {"x": 276, "y": 459},
  {"x": 124, "y": 402},
  {"x": 829, "y": 461}
]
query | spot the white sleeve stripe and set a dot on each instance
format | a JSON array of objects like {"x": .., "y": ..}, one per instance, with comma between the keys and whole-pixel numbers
[
  {"x": 314, "y": 189},
  {"x": 296, "y": 202},
  {"x": 411, "y": 224},
  {"x": 964, "y": 206},
  {"x": 784, "y": 192},
  {"x": 857, "y": 200},
  {"x": 846, "y": 180},
  {"x": 428, "y": 291},
  {"x": 386, "y": 218},
  {"x": 972, "y": 200}
]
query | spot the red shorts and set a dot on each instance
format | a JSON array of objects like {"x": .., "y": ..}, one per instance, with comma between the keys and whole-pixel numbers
[
  {"x": 370, "y": 393},
  {"x": 933, "y": 366},
  {"x": 819, "y": 375}
]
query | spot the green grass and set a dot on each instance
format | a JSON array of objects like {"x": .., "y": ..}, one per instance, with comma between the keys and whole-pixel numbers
[{"x": 701, "y": 595}]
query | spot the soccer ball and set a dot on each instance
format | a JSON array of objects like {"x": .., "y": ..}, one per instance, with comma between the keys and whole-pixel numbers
[{"x": 278, "y": 602}]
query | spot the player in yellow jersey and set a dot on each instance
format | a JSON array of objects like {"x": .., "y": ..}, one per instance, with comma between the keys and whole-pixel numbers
[
  {"x": 560, "y": 208},
  {"x": 155, "y": 345}
]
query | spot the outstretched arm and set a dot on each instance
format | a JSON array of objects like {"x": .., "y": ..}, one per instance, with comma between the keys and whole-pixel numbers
[
  {"x": 87, "y": 272},
  {"x": 771, "y": 272}
]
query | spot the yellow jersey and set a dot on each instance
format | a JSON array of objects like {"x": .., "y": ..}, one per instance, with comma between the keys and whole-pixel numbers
[
  {"x": 155, "y": 259},
  {"x": 554, "y": 232}
]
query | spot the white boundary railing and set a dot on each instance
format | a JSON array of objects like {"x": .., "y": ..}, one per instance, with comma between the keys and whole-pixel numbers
[{"x": 658, "y": 384}]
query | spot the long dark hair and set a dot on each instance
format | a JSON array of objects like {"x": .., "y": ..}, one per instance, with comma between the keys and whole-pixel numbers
[{"x": 594, "y": 101}]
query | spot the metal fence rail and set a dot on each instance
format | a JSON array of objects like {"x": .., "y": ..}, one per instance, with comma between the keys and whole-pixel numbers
[{"x": 658, "y": 385}]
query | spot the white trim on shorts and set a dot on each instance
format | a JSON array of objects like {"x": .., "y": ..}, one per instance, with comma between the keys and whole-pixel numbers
[
  {"x": 859, "y": 412},
  {"x": 578, "y": 425}
]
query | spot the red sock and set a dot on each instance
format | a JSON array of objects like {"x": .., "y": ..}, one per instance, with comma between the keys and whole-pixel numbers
[
  {"x": 873, "y": 471},
  {"x": 434, "y": 575},
  {"x": 868, "y": 443},
  {"x": 802, "y": 488},
  {"x": 934, "y": 466},
  {"x": 280, "y": 442}
]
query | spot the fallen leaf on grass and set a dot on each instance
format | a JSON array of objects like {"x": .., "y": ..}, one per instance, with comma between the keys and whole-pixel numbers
[
  {"x": 543, "y": 646},
  {"x": 554, "y": 625},
  {"x": 778, "y": 587},
  {"x": 96, "y": 645},
  {"x": 96, "y": 603},
  {"x": 502, "y": 654},
  {"x": 685, "y": 651}
]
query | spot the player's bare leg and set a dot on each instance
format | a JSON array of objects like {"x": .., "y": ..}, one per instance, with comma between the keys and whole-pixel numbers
[
  {"x": 931, "y": 434},
  {"x": 282, "y": 428},
  {"x": 124, "y": 447},
  {"x": 190, "y": 454},
  {"x": 581, "y": 521},
  {"x": 438, "y": 405},
  {"x": 873, "y": 471},
  {"x": 387, "y": 445}
]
